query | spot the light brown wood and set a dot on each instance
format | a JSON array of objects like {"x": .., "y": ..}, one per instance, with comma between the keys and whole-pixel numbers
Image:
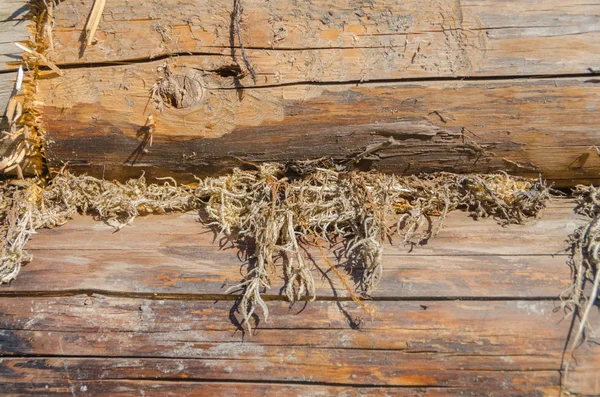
[
  {"x": 343, "y": 40},
  {"x": 515, "y": 349},
  {"x": 135, "y": 388},
  {"x": 404, "y": 327},
  {"x": 305, "y": 102},
  {"x": 224, "y": 389},
  {"x": 207, "y": 272},
  {"x": 460, "y": 236},
  {"x": 585, "y": 379},
  {"x": 144, "y": 310}
]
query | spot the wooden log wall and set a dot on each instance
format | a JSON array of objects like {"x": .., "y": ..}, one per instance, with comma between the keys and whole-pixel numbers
[
  {"x": 459, "y": 85},
  {"x": 144, "y": 311},
  {"x": 467, "y": 86},
  {"x": 13, "y": 28}
]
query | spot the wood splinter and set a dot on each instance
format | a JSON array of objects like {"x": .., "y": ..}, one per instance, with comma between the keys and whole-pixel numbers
[
  {"x": 369, "y": 152},
  {"x": 93, "y": 20},
  {"x": 41, "y": 58}
]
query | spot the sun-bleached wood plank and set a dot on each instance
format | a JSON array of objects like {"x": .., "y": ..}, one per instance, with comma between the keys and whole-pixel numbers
[
  {"x": 345, "y": 40},
  {"x": 13, "y": 28},
  {"x": 175, "y": 254}
]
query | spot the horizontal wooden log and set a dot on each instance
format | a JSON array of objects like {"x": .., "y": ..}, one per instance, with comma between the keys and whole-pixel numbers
[
  {"x": 518, "y": 344},
  {"x": 174, "y": 254},
  {"x": 207, "y": 272},
  {"x": 303, "y": 56},
  {"x": 343, "y": 40},
  {"x": 460, "y": 235},
  {"x": 51, "y": 373},
  {"x": 402, "y": 327},
  {"x": 515, "y": 349},
  {"x": 527, "y": 126},
  {"x": 135, "y": 388},
  {"x": 131, "y": 312}
]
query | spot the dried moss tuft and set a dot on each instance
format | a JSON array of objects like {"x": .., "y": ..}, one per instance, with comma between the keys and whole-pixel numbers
[{"x": 282, "y": 214}]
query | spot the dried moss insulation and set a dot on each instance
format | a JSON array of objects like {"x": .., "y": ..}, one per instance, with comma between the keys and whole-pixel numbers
[{"x": 281, "y": 214}]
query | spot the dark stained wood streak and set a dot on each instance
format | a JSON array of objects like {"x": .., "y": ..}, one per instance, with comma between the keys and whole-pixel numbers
[{"x": 526, "y": 127}]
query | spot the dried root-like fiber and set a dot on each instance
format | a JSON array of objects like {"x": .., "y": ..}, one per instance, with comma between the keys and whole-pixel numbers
[
  {"x": 281, "y": 214},
  {"x": 585, "y": 262}
]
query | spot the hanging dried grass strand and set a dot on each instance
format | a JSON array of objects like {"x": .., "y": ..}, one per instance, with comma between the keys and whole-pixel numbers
[{"x": 585, "y": 261}]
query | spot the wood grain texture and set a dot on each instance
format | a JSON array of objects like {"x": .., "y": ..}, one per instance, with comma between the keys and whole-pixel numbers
[
  {"x": 184, "y": 257},
  {"x": 13, "y": 28},
  {"x": 345, "y": 40},
  {"x": 310, "y": 99},
  {"x": 472, "y": 313},
  {"x": 210, "y": 272},
  {"x": 144, "y": 311},
  {"x": 460, "y": 236},
  {"x": 586, "y": 377},
  {"x": 514, "y": 350},
  {"x": 136, "y": 388},
  {"x": 7, "y": 84},
  {"x": 406, "y": 347},
  {"x": 526, "y": 127}
]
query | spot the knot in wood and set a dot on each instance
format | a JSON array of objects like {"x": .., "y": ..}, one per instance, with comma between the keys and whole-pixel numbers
[{"x": 179, "y": 91}]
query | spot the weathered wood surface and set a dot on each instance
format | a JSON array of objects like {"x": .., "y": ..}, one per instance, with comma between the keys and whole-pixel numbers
[
  {"x": 512, "y": 351},
  {"x": 545, "y": 235},
  {"x": 218, "y": 389},
  {"x": 345, "y": 40},
  {"x": 526, "y": 127},
  {"x": 471, "y": 313},
  {"x": 13, "y": 28},
  {"x": 7, "y": 85},
  {"x": 184, "y": 258},
  {"x": 309, "y": 59}
]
